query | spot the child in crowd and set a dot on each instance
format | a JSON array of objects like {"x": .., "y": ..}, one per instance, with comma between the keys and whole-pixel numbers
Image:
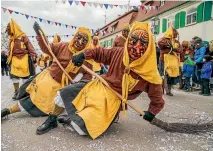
[
  {"x": 206, "y": 72},
  {"x": 188, "y": 68}
]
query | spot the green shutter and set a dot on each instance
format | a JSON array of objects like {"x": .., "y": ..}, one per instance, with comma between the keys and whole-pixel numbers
[
  {"x": 200, "y": 13},
  {"x": 106, "y": 44},
  {"x": 111, "y": 41},
  {"x": 164, "y": 28},
  {"x": 177, "y": 20},
  {"x": 182, "y": 19},
  {"x": 207, "y": 10},
  {"x": 158, "y": 28}
]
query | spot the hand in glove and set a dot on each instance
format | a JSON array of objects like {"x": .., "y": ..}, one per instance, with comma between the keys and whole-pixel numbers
[
  {"x": 148, "y": 116},
  {"x": 36, "y": 27},
  {"x": 78, "y": 60}
]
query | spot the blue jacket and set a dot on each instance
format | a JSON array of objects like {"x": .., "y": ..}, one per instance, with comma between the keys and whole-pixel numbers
[
  {"x": 206, "y": 70},
  {"x": 187, "y": 70},
  {"x": 199, "y": 54}
]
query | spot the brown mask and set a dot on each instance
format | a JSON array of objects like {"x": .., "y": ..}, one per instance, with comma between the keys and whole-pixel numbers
[
  {"x": 95, "y": 41},
  {"x": 137, "y": 44},
  {"x": 80, "y": 41},
  {"x": 125, "y": 32}
]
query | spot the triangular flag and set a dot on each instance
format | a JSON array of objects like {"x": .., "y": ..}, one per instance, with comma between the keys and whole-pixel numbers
[
  {"x": 56, "y": 1},
  {"x": 4, "y": 10},
  {"x": 76, "y": 2},
  {"x": 52, "y": 22},
  {"x": 66, "y": 26},
  {"x": 44, "y": 20},
  {"x": 67, "y": 35},
  {"x": 36, "y": 17},
  {"x": 71, "y": 26},
  {"x": 125, "y": 6},
  {"x": 70, "y": 1},
  {"x": 32, "y": 36},
  {"x": 22, "y": 14},
  {"x": 134, "y": 7},
  {"x": 83, "y": 3},
  {"x": 56, "y": 23},
  {"x": 31, "y": 16},
  {"x": 40, "y": 19},
  {"x": 110, "y": 5},
  {"x": 48, "y": 21},
  {"x": 106, "y": 5},
  {"x": 101, "y": 5},
  {"x": 89, "y": 3},
  {"x": 116, "y": 5},
  {"x": 59, "y": 24},
  {"x": 63, "y": 1},
  {"x": 142, "y": 7},
  {"x": 27, "y": 16},
  {"x": 121, "y": 6},
  {"x": 95, "y": 4},
  {"x": 11, "y": 11},
  {"x": 53, "y": 36},
  {"x": 16, "y": 12},
  {"x": 75, "y": 27}
]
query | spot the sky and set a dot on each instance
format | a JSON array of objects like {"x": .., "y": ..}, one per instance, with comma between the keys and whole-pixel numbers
[{"x": 76, "y": 15}]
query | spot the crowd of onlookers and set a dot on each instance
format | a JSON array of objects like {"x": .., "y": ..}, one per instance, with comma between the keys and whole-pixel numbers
[{"x": 196, "y": 65}]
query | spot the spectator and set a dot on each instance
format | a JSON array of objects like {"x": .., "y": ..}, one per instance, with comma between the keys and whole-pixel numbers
[
  {"x": 200, "y": 51},
  {"x": 188, "y": 68},
  {"x": 4, "y": 68},
  {"x": 206, "y": 72}
]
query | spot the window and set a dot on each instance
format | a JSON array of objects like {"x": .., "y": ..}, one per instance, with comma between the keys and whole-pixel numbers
[
  {"x": 191, "y": 16},
  {"x": 114, "y": 27},
  {"x": 162, "y": 2},
  {"x": 171, "y": 21}
]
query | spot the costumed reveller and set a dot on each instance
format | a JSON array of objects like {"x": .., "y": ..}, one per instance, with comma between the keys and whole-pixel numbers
[
  {"x": 92, "y": 107},
  {"x": 169, "y": 59},
  {"x": 43, "y": 88},
  {"x": 4, "y": 66},
  {"x": 186, "y": 51},
  {"x": 41, "y": 61},
  {"x": 120, "y": 40},
  {"x": 20, "y": 52}
]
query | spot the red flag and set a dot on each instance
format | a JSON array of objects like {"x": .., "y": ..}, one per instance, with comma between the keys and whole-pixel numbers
[
  {"x": 116, "y": 5},
  {"x": 4, "y": 9},
  {"x": 56, "y": 23},
  {"x": 142, "y": 7},
  {"x": 83, "y": 3},
  {"x": 72, "y": 26},
  {"x": 11, "y": 11}
]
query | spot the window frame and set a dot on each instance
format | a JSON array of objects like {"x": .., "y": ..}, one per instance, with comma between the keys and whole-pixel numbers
[
  {"x": 162, "y": 2},
  {"x": 169, "y": 21},
  {"x": 191, "y": 18}
]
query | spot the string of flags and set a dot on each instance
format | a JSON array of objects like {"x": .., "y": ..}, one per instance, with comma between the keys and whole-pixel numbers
[
  {"x": 106, "y": 6},
  {"x": 51, "y": 36},
  {"x": 42, "y": 20}
]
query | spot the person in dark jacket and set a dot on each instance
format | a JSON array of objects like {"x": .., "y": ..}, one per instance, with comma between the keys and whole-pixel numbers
[
  {"x": 206, "y": 72},
  {"x": 4, "y": 68},
  {"x": 188, "y": 68},
  {"x": 200, "y": 51}
]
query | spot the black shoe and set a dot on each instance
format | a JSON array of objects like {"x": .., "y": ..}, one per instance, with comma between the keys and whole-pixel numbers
[
  {"x": 169, "y": 94},
  {"x": 64, "y": 120},
  {"x": 49, "y": 124},
  {"x": 15, "y": 95},
  {"x": 4, "y": 113}
]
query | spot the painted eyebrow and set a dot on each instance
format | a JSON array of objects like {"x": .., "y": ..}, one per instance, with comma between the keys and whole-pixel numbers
[{"x": 137, "y": 38}]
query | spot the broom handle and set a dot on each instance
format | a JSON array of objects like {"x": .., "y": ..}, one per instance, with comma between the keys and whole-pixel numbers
[
  {"x": 53, "y": 55},
  {"x": 107, "y": 85}
]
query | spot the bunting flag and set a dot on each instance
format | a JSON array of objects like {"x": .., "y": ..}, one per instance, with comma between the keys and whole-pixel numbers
[
  {"x": 63, "y": 1},
  {"x": 41, "y": 19},
  {"x": 101, "y": 5},
  {"x": 110, "y": 5},
  {"x": 89, "y": 3},
  {"x": 76, "y": 2},
  {"x": 70, "y": 1},
  {"x": 83, "y": 3},
  {"x": 95, "y": 4},
  {"x": 125, "y": 6},
  {"x": 106, "y": 5},
  {"x": 27, "y": 16},
  {"x": 121, "y": 6}
]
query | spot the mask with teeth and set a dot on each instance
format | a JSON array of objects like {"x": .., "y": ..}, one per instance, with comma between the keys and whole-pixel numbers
[{"x": 137, "y": 44}]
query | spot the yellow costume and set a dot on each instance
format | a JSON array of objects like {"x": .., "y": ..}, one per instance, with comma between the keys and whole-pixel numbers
[
  {"x": 97, "y": 105},
  {"x": 19, "y": 66}
]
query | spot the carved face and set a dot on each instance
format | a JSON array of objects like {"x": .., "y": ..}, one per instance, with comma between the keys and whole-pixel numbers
[
  {"x": 8, "y": 30},
  {"x": 80, "y": 41},
  {"x": 95, "y": 41},
  {"x": 137, "y": 44},
  {"x": 125, "y": 32}
]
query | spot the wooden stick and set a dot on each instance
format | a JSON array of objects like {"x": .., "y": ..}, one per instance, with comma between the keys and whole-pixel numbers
[
  {"x": 53, "y": 55},
  {"x": 105, "y": 83}
]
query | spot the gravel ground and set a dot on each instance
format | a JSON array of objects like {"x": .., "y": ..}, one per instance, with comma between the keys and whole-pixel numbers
[{"x": 130, "y": 134}]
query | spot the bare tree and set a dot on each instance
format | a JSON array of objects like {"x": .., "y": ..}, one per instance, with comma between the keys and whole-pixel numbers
[{"x": 4, "y": 39}]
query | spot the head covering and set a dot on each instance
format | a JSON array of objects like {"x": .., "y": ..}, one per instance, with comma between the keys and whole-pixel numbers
[
  {"x": 169, "y": 33},
  {"x": 16, "y": 33},
  {"x": 56, "y": 38},
  {"x": 198, "y": 40},
  {"x": 145, "y": 67},
  {"x": 126, "y": 26},
  {"x": 83, "y": 30},
  {"x": 185, "y": 43}
]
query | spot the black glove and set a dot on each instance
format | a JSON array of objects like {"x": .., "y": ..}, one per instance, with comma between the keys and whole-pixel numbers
[
  {"x": 78, "y": 60},
  {"x": 148, "y": 116},
  {"x": 36, "y": 27}
]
